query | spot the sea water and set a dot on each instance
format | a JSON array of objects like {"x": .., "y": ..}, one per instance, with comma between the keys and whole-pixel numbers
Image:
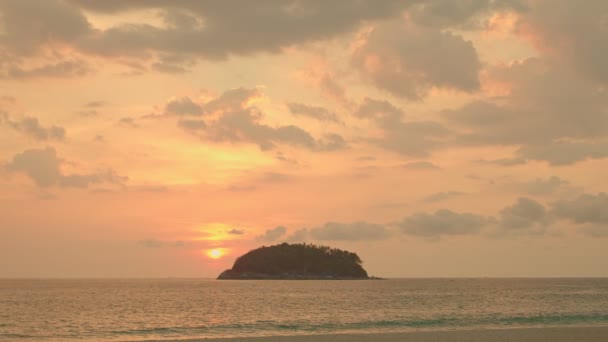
[{"x": 124, "y": 310}]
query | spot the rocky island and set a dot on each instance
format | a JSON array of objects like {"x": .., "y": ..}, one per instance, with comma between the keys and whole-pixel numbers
[{"x": 296, "y": 261}]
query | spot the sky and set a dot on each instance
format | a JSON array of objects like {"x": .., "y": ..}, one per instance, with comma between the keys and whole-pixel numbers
[{"x": 461, "y": 138}]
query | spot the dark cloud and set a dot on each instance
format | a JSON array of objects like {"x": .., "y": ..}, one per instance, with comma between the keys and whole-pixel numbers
[
  {"x": 191, "y": 125},
  {"x": 335, "y": 231},
  {"x": 412, "y": 138},
  {"x": 245, "y": 126},
  {"x": 273, "y": 234},
  {"x": 235, "y": 231},
  {"x": 564, "y": 153},
  {"x": 331, "y": 142},
  {"x": 300, "y": 235},
  {"x": 231, "y": 117},
  {"x": 378, "y": 110},
  {"x": 459, "y": 13},
  {"x": 63, "y": 69},
  {"x": 525, "y": 217},
  {"x": 183, "y": 106},
  {"x": 43, "y": 166},
  {"x": 55, "y": 21},
  {"x": 552, "y": 114},
  {"x": 541, "y": 187},
  {"x": 318, "y": 113},
  {"x": 407, "y": 61},
  {"x": 215, "y": 30},
  {"x": 174, "y": 64},
  {"x": 586, "y": 208},
  {"x": 442, "y": 196},
  {"x": 571, "y": 33},
  {"x": 31, "y": 127},
  {"x": 524, "y": 214},
  {"x": 443, "y": 222},
  {"x": 417, "y": 138}
]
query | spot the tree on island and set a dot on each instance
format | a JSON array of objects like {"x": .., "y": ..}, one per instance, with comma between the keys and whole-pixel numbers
[{"x": 296, "y": 261}]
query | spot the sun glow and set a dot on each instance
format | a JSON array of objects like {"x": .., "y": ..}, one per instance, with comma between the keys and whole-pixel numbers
[{"x": 216, "y": 253}]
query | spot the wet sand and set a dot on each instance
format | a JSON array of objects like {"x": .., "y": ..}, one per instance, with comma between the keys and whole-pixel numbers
[{"x": 569, "y": 334}]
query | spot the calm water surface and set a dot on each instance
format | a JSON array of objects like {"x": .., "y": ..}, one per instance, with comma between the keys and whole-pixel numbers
[{"x": 126, "y": 310}]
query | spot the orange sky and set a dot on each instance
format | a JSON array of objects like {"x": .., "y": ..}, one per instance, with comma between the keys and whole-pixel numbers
[{"x": 433, "y": 138}]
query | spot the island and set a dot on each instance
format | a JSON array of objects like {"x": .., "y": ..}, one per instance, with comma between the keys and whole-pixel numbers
[{"x": 298, "y": 261}]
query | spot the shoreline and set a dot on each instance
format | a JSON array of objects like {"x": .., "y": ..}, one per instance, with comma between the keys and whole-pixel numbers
[{"x": 531, "y": 334}]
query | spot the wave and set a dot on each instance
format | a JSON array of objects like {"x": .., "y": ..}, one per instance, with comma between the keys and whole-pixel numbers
[
  {"x": 265, "y": 328},
  {"x": 274, "y": 327}
]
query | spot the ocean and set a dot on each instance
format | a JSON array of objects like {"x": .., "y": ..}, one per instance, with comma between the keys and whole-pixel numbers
[{"x": 158, "y": 309}]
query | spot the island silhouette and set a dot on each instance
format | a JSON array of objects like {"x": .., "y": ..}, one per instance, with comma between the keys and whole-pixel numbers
[{"x": 296, "y": 261}]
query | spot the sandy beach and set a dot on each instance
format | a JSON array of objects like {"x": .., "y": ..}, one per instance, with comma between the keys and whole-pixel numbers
[{"x": 570, "y": 334}]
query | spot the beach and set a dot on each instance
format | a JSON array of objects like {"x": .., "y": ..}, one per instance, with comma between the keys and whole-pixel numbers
[{"x": 562, "y": 334}]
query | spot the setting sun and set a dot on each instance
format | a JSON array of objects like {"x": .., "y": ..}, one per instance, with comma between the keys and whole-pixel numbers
[{"x": 216, "y": 253}]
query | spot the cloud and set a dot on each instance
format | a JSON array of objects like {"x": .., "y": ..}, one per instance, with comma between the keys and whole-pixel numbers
[
  {"x": 541, "y": 187},
  {"x": 356, "y": 231},
  {"x": 235, "y": 231},
  {"x": 458, "y": 13},
  {"x": 272, "y": 235},
  {"x": 300, "y": 235},
  {"x": 31, "y": 127},
  {"x": 525, "y": 214},
  {"x": 441, "y": 223},
  {"x": 412, "y": 138},
  {"x": 331, "y": 142},
  {"x": 62, "y": 69},
  {"x": 550, "y": 112},
  {"x": 56, "y": 21},
  {"x": 586, "y": 208},
  {"x": 95, "y": 104},
  {"x": 408, "y": 61},
  {"x": 128, "y": 122},
  {"x": 564, "y": 153},
  {"x": 232, "y": 117},
  {"x": 215, "y": 30},
  {"x": 173, "y": 63},
  {"x": 43, "y": 166},
  {"x": 570, "y": 33},
  {"x": 318, "y": 113},
  {"x": 336, "y": 231},
  {"x": 183, "y": 106},
  {"x": 442, "y": 196},
  {"x": 192, "y": 125},
  {"x": 378, "y": 110},
  {"x": 525, "y": 217}
]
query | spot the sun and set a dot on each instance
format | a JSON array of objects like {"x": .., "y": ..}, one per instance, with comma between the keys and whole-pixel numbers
[{"x": 216, "y": 253}]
